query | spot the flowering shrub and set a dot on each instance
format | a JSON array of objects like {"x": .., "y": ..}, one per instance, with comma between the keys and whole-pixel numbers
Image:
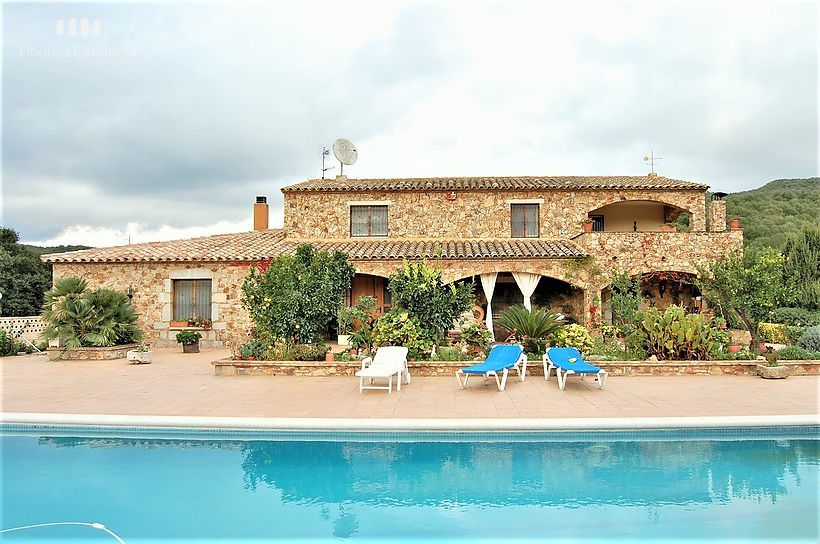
[
  {"x": 399, "y": 328},
  {"x": 477, "y": 337},
  {"x": 777, "y": 333},
  {"x": 573, "y": 336}
]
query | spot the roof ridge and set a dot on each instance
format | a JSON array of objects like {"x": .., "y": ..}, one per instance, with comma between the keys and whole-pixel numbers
[{"x": 447, "y": 183}]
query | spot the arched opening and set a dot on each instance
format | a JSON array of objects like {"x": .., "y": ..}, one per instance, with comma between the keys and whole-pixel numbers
[
  {"x": 661, "y": 289},
  {"x": 637, "y": 216},
  {"x": 552, "y": 294}
]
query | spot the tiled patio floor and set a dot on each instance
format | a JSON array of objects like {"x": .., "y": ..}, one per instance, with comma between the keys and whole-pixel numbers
[{"x": 177, "y": 384}]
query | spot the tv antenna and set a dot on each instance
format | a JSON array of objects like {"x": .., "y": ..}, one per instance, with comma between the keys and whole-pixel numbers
[
  {"x": 325, "y": 153},
  {"x": 650, "y": 160},
  {"x": 345, "y": 152}
]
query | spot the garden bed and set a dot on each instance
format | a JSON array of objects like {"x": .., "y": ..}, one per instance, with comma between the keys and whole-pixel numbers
[
  {"x": 90, "y": 354},
  {"x": 231, "y": 367}
]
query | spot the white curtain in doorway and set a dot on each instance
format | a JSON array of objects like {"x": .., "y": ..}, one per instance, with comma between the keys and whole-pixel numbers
[
  {"x": 527, "y": 283},
  {"x": 488, "y": 284}
]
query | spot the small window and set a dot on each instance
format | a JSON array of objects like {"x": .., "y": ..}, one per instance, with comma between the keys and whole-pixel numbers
[
  {"x": 597, "y": 223},
  {"x": 192, "y": 298},
  {"x": 368, "y": 221},
  {"x": 524, "y": 220}
]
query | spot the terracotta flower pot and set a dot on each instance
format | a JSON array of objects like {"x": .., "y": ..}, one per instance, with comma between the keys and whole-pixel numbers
[
  {"x": 587, "y": 227},
  {"x": 734, "y": 223},
  {"x": 178, "y": 324},
  {"x": 329, "y": 357},
  {"x": 734, "y": 348},
  {"x": 667, "y": 228}
]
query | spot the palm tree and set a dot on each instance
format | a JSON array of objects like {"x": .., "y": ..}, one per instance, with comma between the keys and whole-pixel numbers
[
  {"x": 80, "y": 317},
  {"x": 532, "y": 327}
]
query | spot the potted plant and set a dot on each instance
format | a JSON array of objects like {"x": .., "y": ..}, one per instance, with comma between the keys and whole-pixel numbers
[
  {"x": 772, "y": 370},
  {"x": 734, "y": 222},
  {"x": 734, "y": 347},
  {"x": 189, "y": 341},
  {"x": 192, "y": 321},
  {"x": 356, "y": 323},
  {"x": 668, "y": 227},
  {"x": 178, "y": 324},
  {"x": 346, "y": 317},
  {"x": 587, "y": 224},
  {"x": 140, "y": 356}
]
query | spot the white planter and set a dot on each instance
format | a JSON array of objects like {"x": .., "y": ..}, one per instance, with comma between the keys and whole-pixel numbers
[
  {"x": 343, "y": 340},
  {"x": 139, "y": 357}
]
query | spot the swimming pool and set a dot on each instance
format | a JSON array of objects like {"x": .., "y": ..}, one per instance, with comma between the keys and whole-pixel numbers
[{"x": 437, "y": 487}]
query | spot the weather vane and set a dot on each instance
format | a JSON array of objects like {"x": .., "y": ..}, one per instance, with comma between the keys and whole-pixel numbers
[{"x": 650, "y": 160}]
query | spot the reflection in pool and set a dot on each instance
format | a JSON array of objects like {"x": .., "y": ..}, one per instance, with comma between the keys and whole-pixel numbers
[{"x": 157, "y": 489}]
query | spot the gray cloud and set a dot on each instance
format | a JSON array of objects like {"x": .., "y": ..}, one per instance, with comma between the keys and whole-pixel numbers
[{"x": 218, "y": 104}]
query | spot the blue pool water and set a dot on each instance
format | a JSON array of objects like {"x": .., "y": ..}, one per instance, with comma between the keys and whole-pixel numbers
[{"x": 440, "y": 489}]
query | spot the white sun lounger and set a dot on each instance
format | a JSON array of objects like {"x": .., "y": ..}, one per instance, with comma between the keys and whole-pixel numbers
[{"x": 389, "y": 362}]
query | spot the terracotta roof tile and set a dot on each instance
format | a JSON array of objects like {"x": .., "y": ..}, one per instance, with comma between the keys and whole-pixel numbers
[
  {"x": 495, "y": 183},
  {"x": 259, "y": 245}
]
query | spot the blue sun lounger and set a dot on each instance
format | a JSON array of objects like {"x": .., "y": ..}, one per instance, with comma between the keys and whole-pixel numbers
[
  {"x": 568, "y": 361},
  {"x": 500, "y": 360}
]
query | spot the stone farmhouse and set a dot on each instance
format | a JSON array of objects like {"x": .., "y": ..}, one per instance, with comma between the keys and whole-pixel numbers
[{"x": 521, "y": 239}]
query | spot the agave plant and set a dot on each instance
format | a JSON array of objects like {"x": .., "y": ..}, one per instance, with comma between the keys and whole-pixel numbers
[
  {"x": 80, "y": 317},
  {"x": 532, "y": 327}
]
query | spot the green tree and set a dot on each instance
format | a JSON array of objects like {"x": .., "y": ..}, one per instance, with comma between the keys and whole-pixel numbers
[
  {"x": 23, "y": 278},
  {"x": 626, "y": 298},
  {"x": 296, "y": 296},
  {"x": 750, "y": 285},
  {"x": 801, "y": 269},
  {"x": 417, "y": 288}
]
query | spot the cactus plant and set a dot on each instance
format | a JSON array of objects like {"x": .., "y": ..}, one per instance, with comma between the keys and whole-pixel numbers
[{"x": 677, "y": 334}]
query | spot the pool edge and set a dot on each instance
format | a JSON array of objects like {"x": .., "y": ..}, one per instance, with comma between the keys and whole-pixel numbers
[{"x": 503, "y": 425}]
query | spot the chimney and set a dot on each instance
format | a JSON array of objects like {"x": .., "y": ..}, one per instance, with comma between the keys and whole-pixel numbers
[{"x": 260, "y": 213}]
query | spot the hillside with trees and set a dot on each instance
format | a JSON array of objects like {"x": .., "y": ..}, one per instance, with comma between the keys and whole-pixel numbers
[
  {"x": 780, "y": 209},
  {"x": 23, "y": 277}
]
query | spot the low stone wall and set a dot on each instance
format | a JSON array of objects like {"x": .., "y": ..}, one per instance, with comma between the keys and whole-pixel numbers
[
  {"x": 229, "y": 367},
  {"x": 90, "y": 354}
]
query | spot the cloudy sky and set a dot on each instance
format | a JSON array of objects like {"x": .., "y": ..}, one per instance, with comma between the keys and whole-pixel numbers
[{"x": 165, "y": 120}]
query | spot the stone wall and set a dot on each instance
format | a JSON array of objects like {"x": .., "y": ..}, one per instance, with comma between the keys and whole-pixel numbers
[
  {"x": 473, "y": 214},
  {"x": 227, "y": 367},
  {"x": 152, "y": 289},
  {"x": 89, "y": 354}
]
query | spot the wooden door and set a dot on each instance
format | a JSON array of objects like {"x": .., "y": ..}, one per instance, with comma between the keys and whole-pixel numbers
[{"x": 371, "y": 286}]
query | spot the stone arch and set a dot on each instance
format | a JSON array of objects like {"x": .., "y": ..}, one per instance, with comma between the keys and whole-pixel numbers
[
  {"x": 618, "y": 214},
  {"x": 661, "y": 291},
  {"x": 554, "y": 268}
]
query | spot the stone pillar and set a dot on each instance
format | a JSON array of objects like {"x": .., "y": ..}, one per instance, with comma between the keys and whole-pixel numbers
[{"x": 717, "y": 216}]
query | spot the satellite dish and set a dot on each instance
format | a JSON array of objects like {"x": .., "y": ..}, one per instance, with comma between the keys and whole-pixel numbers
[{"x": 345, "y": 152}]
